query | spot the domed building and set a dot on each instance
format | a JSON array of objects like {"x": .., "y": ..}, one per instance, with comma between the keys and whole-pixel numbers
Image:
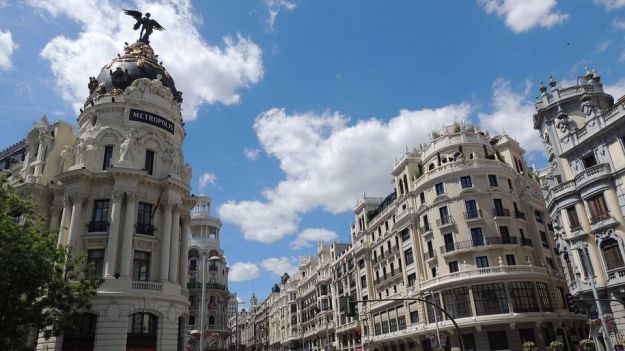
[{"x": 119, "y": 192}]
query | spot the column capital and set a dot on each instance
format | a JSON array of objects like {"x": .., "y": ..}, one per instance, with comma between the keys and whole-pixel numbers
[
  {"x": 131, "y": 195},
  {"x": 167, "y": 205},
  {"x": 78, "y": 198},
  {"x": 185, "y": 219},
  {"x": 117, "y": 196}
]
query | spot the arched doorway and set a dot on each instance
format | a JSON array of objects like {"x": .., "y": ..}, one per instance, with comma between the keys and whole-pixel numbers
[{"x": 141, "y": 332}]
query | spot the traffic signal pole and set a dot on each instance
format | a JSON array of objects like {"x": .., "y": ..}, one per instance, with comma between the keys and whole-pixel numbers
[{"x": 460, "y": 340}]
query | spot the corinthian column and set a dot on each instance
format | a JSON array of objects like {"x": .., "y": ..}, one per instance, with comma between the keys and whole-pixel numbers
[
  {"x": 74, "y": 225},
  {"x": 128, "y": 233},
  {"x": 175, "y": 247},
  {"x": 111, "y": 247},
  {"x": 184, "y": 251},
  {"x": 67, "y": 212},
  {"x": 165, "y": 239}
]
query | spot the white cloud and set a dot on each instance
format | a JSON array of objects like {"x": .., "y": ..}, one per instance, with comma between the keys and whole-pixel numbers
[
  {"x": 309, "y": 235},
  {"x": 611, "y": 4},
  {"x": 512, "y": 113},
  {"x": 320, "y": 154},
  {"x": 241, "y": 271},
  {"x": 251, "y": 154},
  {"x": 7, "y": 47},
  {"x": 616, "y": 89},
  {"x": 206, "y": 179},
  {"x": 602, "y": 46},
  {"x": 204, "y": 73},
  {"x": 275, "y": 6},
  {"x": 523, "y": 15},
  {"x": 279, "y": 266}
]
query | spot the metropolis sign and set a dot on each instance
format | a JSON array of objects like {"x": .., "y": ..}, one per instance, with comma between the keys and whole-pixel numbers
[{"x": 153, "y": 119}]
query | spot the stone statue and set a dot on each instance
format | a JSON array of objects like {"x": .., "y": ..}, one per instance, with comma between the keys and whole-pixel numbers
[
  {"x": 67, "y": 158},
  {"x": 146, "y": 23},
  {"x": 175, "y": 162},
  {"x": 80, "y": 151},
  {"x": 125, "y": 149}
]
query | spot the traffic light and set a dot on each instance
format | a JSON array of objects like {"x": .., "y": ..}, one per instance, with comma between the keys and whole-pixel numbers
[{"x": 570, "y": 302}]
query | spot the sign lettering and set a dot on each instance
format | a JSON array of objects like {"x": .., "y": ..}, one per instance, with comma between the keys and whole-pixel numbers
[{"x": 153, "y": 119}]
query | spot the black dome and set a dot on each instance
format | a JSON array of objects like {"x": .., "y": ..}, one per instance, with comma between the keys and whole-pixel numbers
[{"x": 139, "y": 61}]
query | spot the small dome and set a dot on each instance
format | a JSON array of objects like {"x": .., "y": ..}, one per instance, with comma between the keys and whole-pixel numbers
[{"x": 139, "y": 61}]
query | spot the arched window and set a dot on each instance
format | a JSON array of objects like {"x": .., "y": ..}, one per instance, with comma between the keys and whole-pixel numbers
[
  {"x": 431, "y": 166},
  {"x": 141, "y": 332},
  {"x": 193, "y": 253},
  {"x": 82, "y": 337},
  {"x": 612, "y": 254},
  {"x": 211, "y": 320},
  {"x": 191, "y": 320},
  {"x": 193, "y": 265}
]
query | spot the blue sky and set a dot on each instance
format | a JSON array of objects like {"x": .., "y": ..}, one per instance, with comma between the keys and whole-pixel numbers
[{"x": 296, "y": 108}]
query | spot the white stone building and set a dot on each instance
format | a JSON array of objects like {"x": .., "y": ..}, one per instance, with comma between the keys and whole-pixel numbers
[{"x": 118, "y": 192}]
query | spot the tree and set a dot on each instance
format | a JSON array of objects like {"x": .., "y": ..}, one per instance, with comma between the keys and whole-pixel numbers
[{"x": 42, "y": 287}]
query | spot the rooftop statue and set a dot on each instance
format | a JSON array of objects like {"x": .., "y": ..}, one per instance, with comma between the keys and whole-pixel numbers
[{"x": 147, "y": 25}]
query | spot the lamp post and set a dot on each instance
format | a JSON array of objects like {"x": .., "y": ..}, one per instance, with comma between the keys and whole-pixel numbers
[{"x": 203, "y": 302}]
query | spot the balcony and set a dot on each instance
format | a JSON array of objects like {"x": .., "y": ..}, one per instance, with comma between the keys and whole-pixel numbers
[
  {"x": 563, "y": 188},
  {"x": 144, "y": 228},
  {"x": 591, "y": 174},
  {"x": 519, "y": 215},
  {"x": 151, "y": 286},
  {"x": 467, "y": 244},
  {"x": 482, "y": 274},
  {"x": 602, "y": 221},
  {"x": 445, "y": 221},
  {"x": 527, "y": 242},
  {"x": 198, "y": 285},
  {"x": 501, "y": 212},
  {"x": 425, "y": 228},
  {"x": 386, "y": 277},
  {"x": 477, "y": 214},
  {"x": 97, "y": 226},
  {"x": 428, "y": 255}
]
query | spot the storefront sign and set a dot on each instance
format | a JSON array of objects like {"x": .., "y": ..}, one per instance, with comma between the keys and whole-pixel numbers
[{"x": 153, "y": 119}]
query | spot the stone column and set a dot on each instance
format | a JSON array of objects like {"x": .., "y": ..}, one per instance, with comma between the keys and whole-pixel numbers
[
  {"x": 110, "y": 257},
  {"x": 175, "y": 245},
  {"x": 184, "y": 252},
  {"x": 55, "y": 217},
  {"x": 127, "y": 234},
  {"x": 165, "y": 239},
  {"x": 67, "y": 212},
  {"x": 76, "y": 220}
]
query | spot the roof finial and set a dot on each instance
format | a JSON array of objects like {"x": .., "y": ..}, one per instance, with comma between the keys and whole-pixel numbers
[
  {"x": 552, "y": 82},
  {"x": 542, "y": 88}
]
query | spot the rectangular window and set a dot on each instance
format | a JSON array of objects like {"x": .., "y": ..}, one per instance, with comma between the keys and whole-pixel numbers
[
  {"x": 449, "y": 242},
  {"x": 393, "y": 325},
  {"x": 505, "y": 234},
  {"x": 414, "y": 317},
  {"x": 538, "y": 216},
  {"x": 426, "y": 223},
  {"x": 589, "y": 161},
  {"x": 510, "y": 185},
  {"x": 433, "y": 270},
  {"x": 481, "y": 261},
  {"x": 141, "y": 266},
  {"x": 422, "y": 197},
  {"x": 453, "y": 266},
  {"x": 144, "y": 219},
  {"x": 498, "y": 209},
  {"x": 444, "y": 213},
  {"x": 408, "y": 257},
  {"x": 384, "y": 327},
  {"x": 100, "y": 215},
  {"x": 498, "y": 340},
  {"x": 401, "y": 322},
  {"x": 412, "y": 279},
  {"x": 477, "y": 237},
  {"x": 598, "y": 208},
  {"x": 149, "y": 161},
  {"x": 457, "y": 302},
  {"x": 523, "y": 297},
  {"x": 490, "y": 299},
  {"x": 430, "y": 248},
  {"x": 108, "y": 157},
  {"x": 492, "y": 180},
  {"x": 571, "y": 213},
  {"x": 510, "y": 260},
  {"x": 465, "y": 182},
  {"x": 470, "y": 207},
  {"x": 405, "y": 235},
  {"x": 363, "y": 282},
  {"x": 440, "y": 188},
  {"x": 95, "y": 258},
  {"x": 377, "y": 329},
  {"x": 545, "y": 299}
]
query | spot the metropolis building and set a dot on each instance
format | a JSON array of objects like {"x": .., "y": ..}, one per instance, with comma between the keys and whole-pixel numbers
[
  {"x": 583, "y": 132},
  {"x": 118, "y": 193}
]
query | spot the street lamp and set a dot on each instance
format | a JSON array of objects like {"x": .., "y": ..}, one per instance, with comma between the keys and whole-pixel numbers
[{"x": 203, "y": 302}]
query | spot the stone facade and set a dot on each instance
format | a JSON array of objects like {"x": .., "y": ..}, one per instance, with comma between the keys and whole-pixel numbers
[
  {"x": 118, "y": 192},
  {"x": 583, "y": 131},
  {"x": 466, "y": 228}
]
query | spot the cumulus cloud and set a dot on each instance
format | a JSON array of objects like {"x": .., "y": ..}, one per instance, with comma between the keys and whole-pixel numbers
[
  {"x": 7, "y": 47},
  {"x": 512, "y": 113},
  {"x": 205, "y": 73},
  {"x": 610, "y": 4},
  {"x": 251, "y": 154},
  {"x": 311, "y": 235},
  {"x": 241, "y": 271},
  {"x": 206, "y": 179},
  {"x": 616, "y": 89},
  {"x": 523, "y": 15},
  {"x": 275, "y": 6},
  {"x": 279, "y": 266},
  {"x": 327, "y": 163}
]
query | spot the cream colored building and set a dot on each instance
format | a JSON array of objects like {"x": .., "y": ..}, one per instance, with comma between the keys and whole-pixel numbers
[
  {"x": 583, "y": 134},
  {"x": 206, "y": 256},
  {"x": 118, "y": 192}
]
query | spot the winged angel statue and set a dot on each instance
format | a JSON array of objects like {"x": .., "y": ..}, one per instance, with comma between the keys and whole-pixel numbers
[{"x": 146, "y": 23}]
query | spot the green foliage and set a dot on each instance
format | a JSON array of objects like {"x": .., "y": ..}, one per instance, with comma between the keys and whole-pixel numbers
[
  {"x": 42, "y": 287},
  {"x": 556, "y": 345}
]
